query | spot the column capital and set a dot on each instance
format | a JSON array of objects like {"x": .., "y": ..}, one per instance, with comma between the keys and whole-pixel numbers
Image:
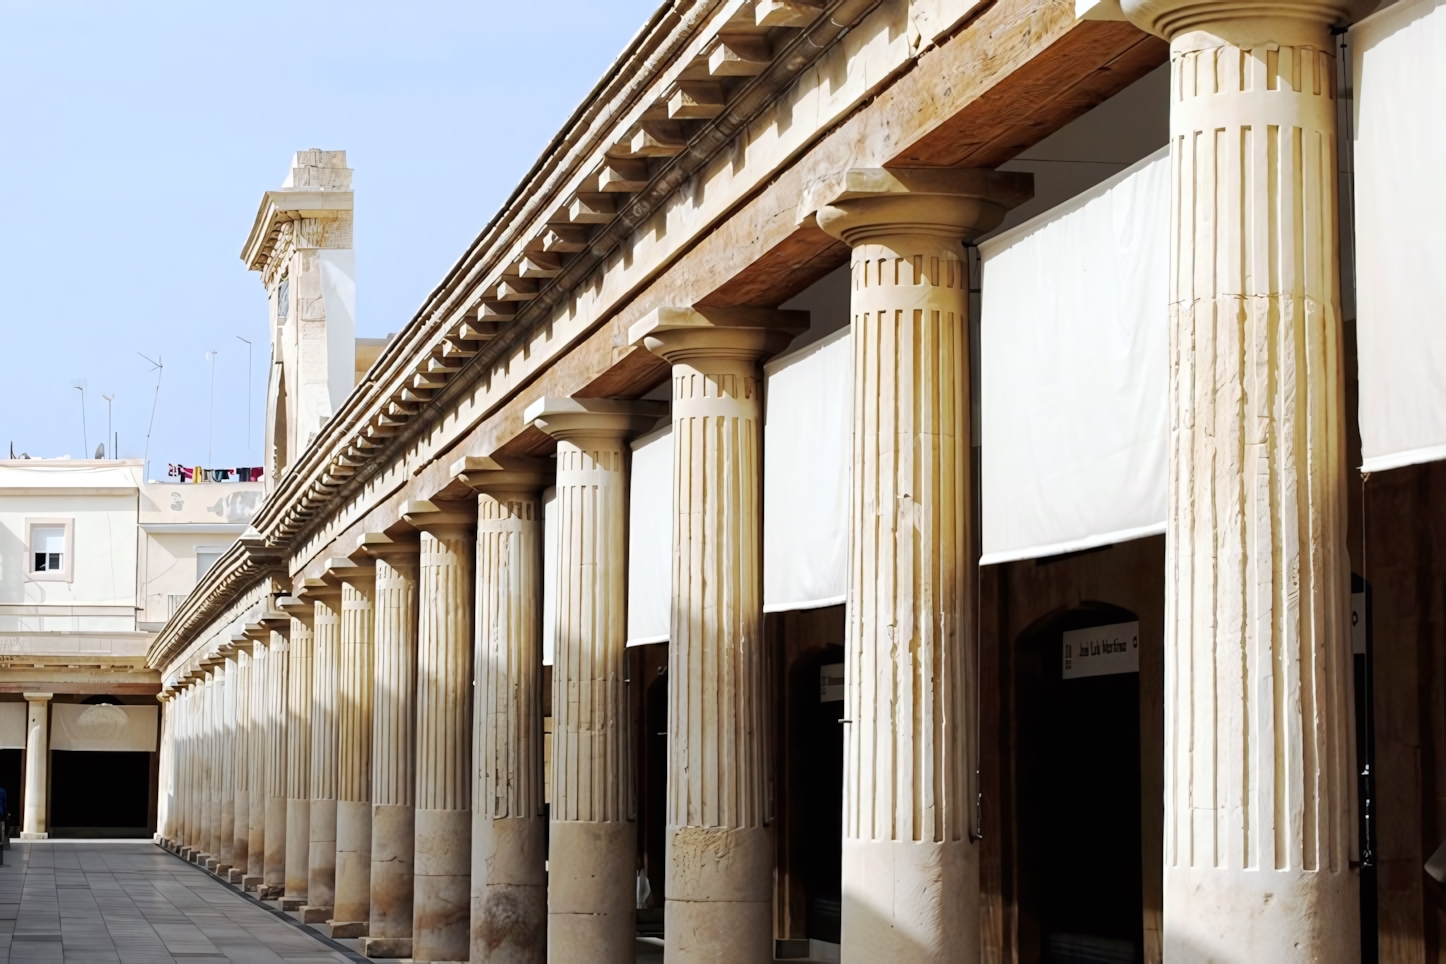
[
  {"x": 864, "y": 203},
  {"x": 296, "y": 608},
  {"x": 39, "y": 697},
  {"x": 569, "y": 418},
  {"x": 497, "y": 475},
  {"x": 275, "y": 619},
  {"x": 242, "y": 641},
  {"x": 380, "y": 545},
  {"x": 1244, "y": 22},
  {"x": 319, "y": 590},
  {"x": 360, "y": 572},
  {"x": 680, "y": 334},
  {"x": 429, "y": 516}
]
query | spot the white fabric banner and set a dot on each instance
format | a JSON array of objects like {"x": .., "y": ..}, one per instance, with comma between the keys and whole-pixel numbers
[
  {"x": 807, "y": 443},
  {"x": 14, "y": 718},
  {"x": 1074, "y": 360},
  {"x": 549, "y": 574},
  {"x": 1400, "y": 207},
  {"x": 650, "y": 538},
  {"x": 103, "y": 726}
]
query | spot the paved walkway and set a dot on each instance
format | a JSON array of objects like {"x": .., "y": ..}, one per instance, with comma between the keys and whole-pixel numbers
[{"x": 134, "y": 902}]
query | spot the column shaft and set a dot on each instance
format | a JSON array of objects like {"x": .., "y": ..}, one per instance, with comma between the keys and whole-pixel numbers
[
  {"x": 274, "y": 762},
  {"x": 34, "y": 825},
  {"x": 241, "y": 774},
  {"x": 509, "y": 832},
  {"x": 298, "y": 759},
  {"x": 354, "y": 738},
  {"x": 394, "y": 710},
  {"x": 442, "y": 895},
  {"x": 226, "y": 829},
  {"x": 257, "y": 740},
  {"x": 325, "y": 655}
]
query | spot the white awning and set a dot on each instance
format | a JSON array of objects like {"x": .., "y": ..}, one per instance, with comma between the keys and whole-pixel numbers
[
  {"x": 14, "y": 718},
  {"x": 650, "y": 538},
  {"x": 1074, "y": 365},
  {"x": 103, "y": 726},
  {"x": 549, "y": 574},
  {"x": 1400, "y": 207},
  {"x": 807, "y": 437}
]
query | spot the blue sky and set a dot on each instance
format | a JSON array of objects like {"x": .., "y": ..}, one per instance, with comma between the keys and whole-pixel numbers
[{"x": 135, "y": 142}]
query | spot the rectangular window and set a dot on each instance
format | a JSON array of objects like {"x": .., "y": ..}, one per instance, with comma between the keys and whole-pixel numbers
[
  {"x": 50, "y": 549},
  {"x": 206, "y": 557}
]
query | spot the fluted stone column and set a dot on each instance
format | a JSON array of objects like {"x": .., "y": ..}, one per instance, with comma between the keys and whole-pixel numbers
[
  {"x": 258, "y": 744},
  {"x": 183, "y": 769},
  {"x": 274, "y": 865},
  {"x": 325, "y": 596},
  {"x": 443, "y": 862},
  {"x": 592, "y": 851},
  {"x": 394, "y": 710},
  {"x": 354, "y": 748},
  {"x": 299, "y": 645},
  {"x": 225, "y": 781},
  {"x": 34, "y": 822},
  {"x": 910, "y": 869},
  {"x": 719, "y": 887},
  {"x": 241, "y": 763},
  {"x": 206, "y": 766},
  {"x": 165, "y": 768},
  {"x": 1259, "y": 788},
  {"x": 509, "y": 830}
]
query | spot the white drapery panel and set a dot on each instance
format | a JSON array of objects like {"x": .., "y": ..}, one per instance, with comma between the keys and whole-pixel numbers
[
  {"x": 14, "y": 717},
  {"x": 1400, "y": 144},
  {"x": 103, "y": 726},
  {"x": 650, "y": 538},
  {"x": 549, "y": 574},
  {"x": 1074, "y": 348},
  {"x": 807, "y": 440}
]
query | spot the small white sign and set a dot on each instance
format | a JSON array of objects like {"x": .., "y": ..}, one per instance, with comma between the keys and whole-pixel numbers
[
  {"x": 1102, "y": 651},
  {"x": 831, "y": 683},
  {"x": 1358, "y": 623}
]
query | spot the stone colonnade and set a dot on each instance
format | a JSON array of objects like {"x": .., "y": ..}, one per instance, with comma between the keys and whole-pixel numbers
[{"x": 433, "y": 710}]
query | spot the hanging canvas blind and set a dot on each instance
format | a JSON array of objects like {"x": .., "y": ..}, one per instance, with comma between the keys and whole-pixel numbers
[
  {"x": 650, "y": 538},
  {"x": 14, "y": 718},
  {"x": 103, "y": 726},
  {"x": 1074, "y": 368},
  {"x": 807, "y": 438},
  {"x": 1399, "y": 146},
  {"x": 549, "y": 574}
]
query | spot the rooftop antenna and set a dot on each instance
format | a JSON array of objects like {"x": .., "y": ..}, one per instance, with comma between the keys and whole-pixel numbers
[
  {"x": 159, "y": 369},
  {"x": 211, "y": 410},
  {"x": 79, "y": 385},
  {"x": 248, "y": 396},
  {"x": 109, "y": 397}
]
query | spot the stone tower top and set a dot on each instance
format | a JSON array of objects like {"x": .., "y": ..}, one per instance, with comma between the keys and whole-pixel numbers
[{"x": 319, "y": 170}]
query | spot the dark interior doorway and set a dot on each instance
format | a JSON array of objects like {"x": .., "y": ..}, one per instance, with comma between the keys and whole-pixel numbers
[
  {"x": 1078, "y": 767},
  {"x": 99, "y": 794},
  {"x": 823, "y": 759},
  {"x": 12, "y": 778}
]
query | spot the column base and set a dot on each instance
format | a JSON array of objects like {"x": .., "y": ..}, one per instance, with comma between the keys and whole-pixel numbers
[
  {"x": 235, "y": 875},
  {"x": 1261, "y": 915},
  {"x": 442, "y": 887},
  {"x": 273, "y": 863},
  {"x": 387, "y": 946},
  {"x": 591, "y": 892},
  {"x": 347, "y": 929},
  {"x": 910, "y": 902},
  {"x": 292, "y": 903},
  {"x": 221, "y": 870},
  {"x": 393, "y": 845},
  {"x": 27, "y": 835},
  {"x": 321, "y": 855},
  {"x": 315, "y": 915},
  {"x": 298, "y": 847},
  {"x": 353, "y": 880},
  {"x": 251, "y": 881},
  {"x": 720, "y": 895},
  {"x": 210, "y": 863}
]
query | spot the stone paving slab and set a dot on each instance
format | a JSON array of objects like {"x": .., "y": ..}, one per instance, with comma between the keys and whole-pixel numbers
[{"x": 130, "y": 902}]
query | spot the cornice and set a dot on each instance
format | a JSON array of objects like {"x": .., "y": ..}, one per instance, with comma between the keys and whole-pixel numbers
[{"x": 288, "y": 204}]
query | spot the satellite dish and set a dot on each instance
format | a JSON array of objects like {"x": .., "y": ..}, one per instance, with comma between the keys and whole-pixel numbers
[{"x": 100, "y": 451}]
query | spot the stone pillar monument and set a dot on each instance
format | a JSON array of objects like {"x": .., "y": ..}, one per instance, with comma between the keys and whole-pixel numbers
[
  {"x": 354, "y": 748},
  {"x": 298, "y": 751},
  {"x": 325, "y": 595},
  {"x": 33, "y": 824},
  {"x": 1259, "y": 783},
  {"x": 509, "y": 831},
  {"x": 442, "y": 896},
  {"x": 910, "y": 869},
  {"x": 394, "y": 710},
  {"x": 720, "y": 845},
  {"x": 592, "y": 854}
]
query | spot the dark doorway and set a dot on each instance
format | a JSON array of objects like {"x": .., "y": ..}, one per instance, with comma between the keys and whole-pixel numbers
[
  {"x": 823, "y": 792},
  {"x": 1078, "y": 766},
  {"x": 11, "y": 778},
  {"x": 99, "y": 794}
]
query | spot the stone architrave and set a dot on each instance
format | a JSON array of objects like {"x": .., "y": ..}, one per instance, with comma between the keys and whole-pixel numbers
[
  {"x": 442, "y": 894},
  {"x": 37, "y": 776},
  {"x": 394, "y": 710},
  {"x": 1259, "y": 773},
  {"x": 325, "y": 596},
  {"x": 274, "y": 764},
  {"x": 719, "y": 889},
  {"x": 354, "y": 747},
  {"x": 509, "y": 829},
  {"x": 592, "y": 856},
  {"x": 910, "y": 866},
  {"x": 297, "y": 716}
]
